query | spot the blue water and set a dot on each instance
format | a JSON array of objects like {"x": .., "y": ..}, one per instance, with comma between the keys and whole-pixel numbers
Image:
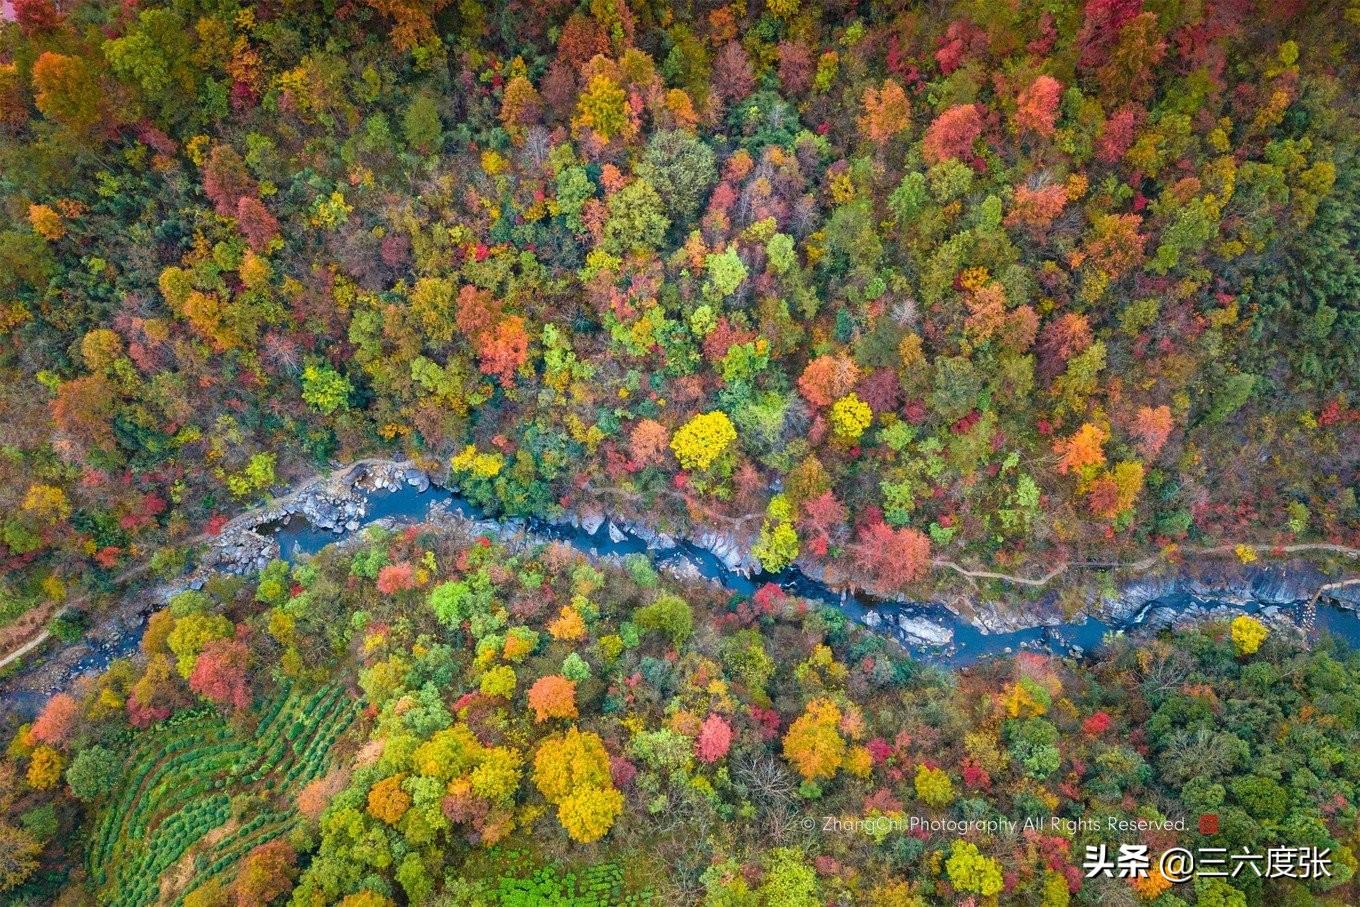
[
  {"x": 298, "y": 538},
  {"x": 1340, "y": 623}
]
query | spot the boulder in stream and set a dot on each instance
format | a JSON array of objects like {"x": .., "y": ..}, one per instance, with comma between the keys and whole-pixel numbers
[
  {"x": 590, "y": 521},
  {"x": 926, "y": 631},
  {"x": 681, "y": 568},
  {"x": 726, "y": 549}
]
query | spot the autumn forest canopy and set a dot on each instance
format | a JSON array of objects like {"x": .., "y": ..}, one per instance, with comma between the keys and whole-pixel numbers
[
  {"x": 864, "y": 286},
  {"x": 1004, "y": 283},
  {"x": 430, "y": 719}
]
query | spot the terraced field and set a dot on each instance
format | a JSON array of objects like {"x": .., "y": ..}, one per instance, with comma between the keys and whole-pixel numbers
[{"x": 180, "y": 780}]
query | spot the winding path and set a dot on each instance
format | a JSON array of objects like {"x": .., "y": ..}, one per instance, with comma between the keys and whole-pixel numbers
[
  {"x": 1137, "y": 566},
  {"x": 1152, "y": 560},
  {"x": 343, "y": 477}
]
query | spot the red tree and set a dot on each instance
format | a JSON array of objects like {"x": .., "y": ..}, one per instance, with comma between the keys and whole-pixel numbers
[
  {"x": 827, "y": 378},
  {"x": 142, "y": 716},
  {"x": 82, "y": 410},
  {"x": 1152, "y": 426},
  {"x": 226, "y": 180},
  {"x": 1022, "y": 326},
  {"x": 1117, "y": 135},
  {"x": 1115, "y": 245},
  {"x": 36, "y": 17},
  {"x": 56, "y": 720},
  {"x": 581, "y": 39},
  {"x": 504, "y": 350},
  {"x": 257, "y": 225},
  {"x": 1097, "y": 724},
  {"x": 732, "y": 75},
  {"x": 396, "y": 578},
  {"x": 266, "y": 874},
  {"x": 1060, "y": 340},
  {"x": 795, "y": 67},
  {"x": 715, "y": 737},
  {"x": 558, "y": 90},
  {"x": 219, "y": 674},
  {"x": 881, "y": 390},
  {"x": 889, "y": 558},
  {"x": 1037, "y": 208},
  {"x": 1100, "y": 29},
  {"x": 476, "y": 311},
  {"x": 952, "y": 134},
  {"x": 821, "y": 519},
  {"x": 960, "y": 41},
  {"x": 1103, "y": 497},
  {"x": 1037, "y": 106}
]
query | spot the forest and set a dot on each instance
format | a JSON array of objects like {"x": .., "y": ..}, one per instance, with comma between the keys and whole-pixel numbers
[
  {"x": 429, "y": 718},
  {"x": 869, "y": 287},
  {"x": 865, "y": 283}
]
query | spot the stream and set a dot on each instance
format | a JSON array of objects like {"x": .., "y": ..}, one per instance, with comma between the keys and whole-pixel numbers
[{"x": 929, "y": 631}]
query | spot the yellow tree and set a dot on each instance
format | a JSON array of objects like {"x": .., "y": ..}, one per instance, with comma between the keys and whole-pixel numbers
[
  {"x": 603, "y": 108},
  {"x": 589, "y": 813},
  {"x": 701, "y": 440},
  {"x": 850, "y": 416},
  {"x": 813, "y": 742},
  {"x": 566, "y": 761},
  {"x": 887, "y": 112},
  {"x": 572, "y": 771},
  {"x": 387, "y": 802},
  {"x": 44, "y": 768},
  {"x": 520, "y": 107},
  {"x": 933, "y": 787},
  {"x": 1247, "y": 634},
  {"x": 66, "y": 89},
  {"x": 412, "y": 20},
  {"x": 971, "y": 870}
]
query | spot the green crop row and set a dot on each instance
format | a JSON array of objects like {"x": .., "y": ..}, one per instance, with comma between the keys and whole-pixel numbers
[
  {"x": 139, "y": 882},
  {"x": 179, "y": 778},
  {"x": 146, "y": 770},
  {"x": 262, "y": 829}
]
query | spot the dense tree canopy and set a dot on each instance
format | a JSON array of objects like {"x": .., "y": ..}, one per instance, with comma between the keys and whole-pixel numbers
[
  {"x": 877, "y": 289},
  {"x": 968, "y": 268},
  {"x": 678, "y": 746}
]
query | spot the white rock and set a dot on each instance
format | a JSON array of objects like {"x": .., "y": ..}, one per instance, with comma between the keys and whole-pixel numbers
[
  {"x": 591, "y": 522},
  {"x": 681, "y": 568},
  {"x": 927, "y": 631}
]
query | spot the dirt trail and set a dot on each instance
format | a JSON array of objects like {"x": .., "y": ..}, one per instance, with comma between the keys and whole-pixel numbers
[{"x": 28, "y": 632}]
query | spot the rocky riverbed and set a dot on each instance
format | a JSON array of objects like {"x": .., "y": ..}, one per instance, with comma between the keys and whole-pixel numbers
[
  {"x": 340, "y": 504},
  {"x": 388, "y": 493},
  {"x": 1278, "y": 583}
]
